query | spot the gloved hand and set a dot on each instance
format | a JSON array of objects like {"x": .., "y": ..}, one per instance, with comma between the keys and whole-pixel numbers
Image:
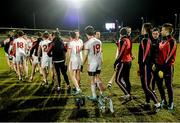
[
  {"x": 153, "y": 67},
  {"x": 161, "y": 74}
]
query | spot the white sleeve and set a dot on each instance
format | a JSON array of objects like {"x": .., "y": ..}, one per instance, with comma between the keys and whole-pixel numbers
[
  {"x": 69, "y": 45},
  {"x": 86, "y": 46},
  {"x": 81, "y": 43},
  {"x": 40, "y": 43}
]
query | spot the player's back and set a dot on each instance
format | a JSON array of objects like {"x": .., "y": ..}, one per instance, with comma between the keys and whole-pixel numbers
[
  {"x": 94, "y": 47},
  {"x": 20, "y": 45},
  {"x": 44, "y": 45},
  {"x": 75, "y": 46}
]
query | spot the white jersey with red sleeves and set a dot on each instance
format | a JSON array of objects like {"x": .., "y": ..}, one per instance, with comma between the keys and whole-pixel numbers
[
  {"x": 94, "y": 47},
  {"x": 44, "y": 45},
  {"x": 21, "y": 46},
  {"x": 76, "y": 49}
]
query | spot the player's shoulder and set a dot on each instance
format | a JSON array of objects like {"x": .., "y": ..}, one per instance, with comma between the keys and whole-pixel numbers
[
  {"x": 16, "y": 40},
  {"x": 42, "y": 42},
  {"x": 7, "y": 40},
  {"x": 88, "y": 42},
  {"x": 49, "y": 41},
  {"x": 97, "y": 41},
  {"x": 72, "y": 42},
  {"x": 80, "y": 40}
]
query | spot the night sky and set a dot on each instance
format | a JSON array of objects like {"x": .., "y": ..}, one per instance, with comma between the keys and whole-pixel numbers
[{"x": 64, "y": 15}]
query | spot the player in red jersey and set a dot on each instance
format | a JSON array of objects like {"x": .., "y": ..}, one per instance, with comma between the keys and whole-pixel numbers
[{"x": 165, "y": 64}]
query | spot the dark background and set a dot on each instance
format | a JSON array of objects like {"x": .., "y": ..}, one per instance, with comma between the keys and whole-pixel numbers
[{"x": 64, "y": 15}]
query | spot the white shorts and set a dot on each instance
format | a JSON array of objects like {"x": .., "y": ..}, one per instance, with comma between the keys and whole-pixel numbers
[
  {"x": 46, "y": 63},
  {"x": 93, "y": 67},
  {"x": 20, "y": 59},
  {"x": 35, "y": 60},
  {"x": 76, "y": 65}
]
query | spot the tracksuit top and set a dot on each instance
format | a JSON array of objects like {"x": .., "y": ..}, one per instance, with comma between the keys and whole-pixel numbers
[
  {"x": 144, "y": 55},
  {"x": 125, "y": 48},
  {"x": 167, "y": 51},
  {"x": 57, "y": 49}
]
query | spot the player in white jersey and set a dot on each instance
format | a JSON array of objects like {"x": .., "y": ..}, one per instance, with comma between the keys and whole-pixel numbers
[
  {"x": 46, "y": 61},
  {"x": 93, "y": 51},
  {"x": 74, "y": 50},
  {"x": 81, "y": 53},
  {"x": 20, "y": 48},
  {"x": 12, "y": 52},
  {"x": 29, "y": 45}
]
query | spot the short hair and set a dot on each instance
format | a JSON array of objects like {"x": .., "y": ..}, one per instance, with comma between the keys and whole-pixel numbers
[
  {"x": 155, "y": 29},
  {"x": 8, "y": 35},
  {"x": 39, "y": 34},
  {"x": 46, "y": 34},
  {"x": 147, "y": 27},
  {"x": 123, "y": 31},
  {"x": 76, "y": 30},
  {"x": 128, "y": 27},
  {"x": 56, "y": 33},
  {"x": 168, "y": 27},
  {"x": 89, "y": 30},
  {"x": 20, "y": 32},
  {"x": 72, "y": 34}
]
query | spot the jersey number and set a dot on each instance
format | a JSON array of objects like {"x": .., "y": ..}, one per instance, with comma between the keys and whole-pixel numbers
[
  {"x": 20, "y": 45},
  {"x": 45, "y": 48},
  {"x": 77, "y": 49},
  {"x": 96, "y": 48}
]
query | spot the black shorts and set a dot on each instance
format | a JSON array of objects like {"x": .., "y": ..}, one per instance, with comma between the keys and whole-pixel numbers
[{"x": 94, "y": 73}]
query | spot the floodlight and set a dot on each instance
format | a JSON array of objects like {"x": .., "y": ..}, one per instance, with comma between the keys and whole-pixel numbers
[{"x": 110, "y": 26}]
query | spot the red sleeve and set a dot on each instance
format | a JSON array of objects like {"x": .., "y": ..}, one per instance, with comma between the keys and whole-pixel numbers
[
  {"x": 172, "y": 50},
  {"x": 49, "y": 50},
  {"x": 122, "y": 49}
]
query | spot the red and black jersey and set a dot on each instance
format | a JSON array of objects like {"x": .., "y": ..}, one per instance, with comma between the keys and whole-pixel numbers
[
  {"x": 12, "y": 51},
  {"x": 144, "y": 55},
  {"x": 35, "y": 46},
  {"x": 6, "y": 44},
  {"x": 129, "y": 37},
  {"x": 167, "y": 51},
  {"x": 124, "y": 47}
]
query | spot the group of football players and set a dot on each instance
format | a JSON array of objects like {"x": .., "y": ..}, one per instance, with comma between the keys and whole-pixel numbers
[{"x": 48, "y": 53}]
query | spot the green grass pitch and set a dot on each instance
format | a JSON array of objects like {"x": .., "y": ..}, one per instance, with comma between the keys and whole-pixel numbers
[{"x": 28, "y": 101}]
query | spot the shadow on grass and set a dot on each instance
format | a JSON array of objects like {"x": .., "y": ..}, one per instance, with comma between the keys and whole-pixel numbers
[
  {"x": 78, "y": 113},
  {"x": 38, "y": 109},
  {"x": 5, "y": 75},
  {"x": 134, "y": 107}
]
